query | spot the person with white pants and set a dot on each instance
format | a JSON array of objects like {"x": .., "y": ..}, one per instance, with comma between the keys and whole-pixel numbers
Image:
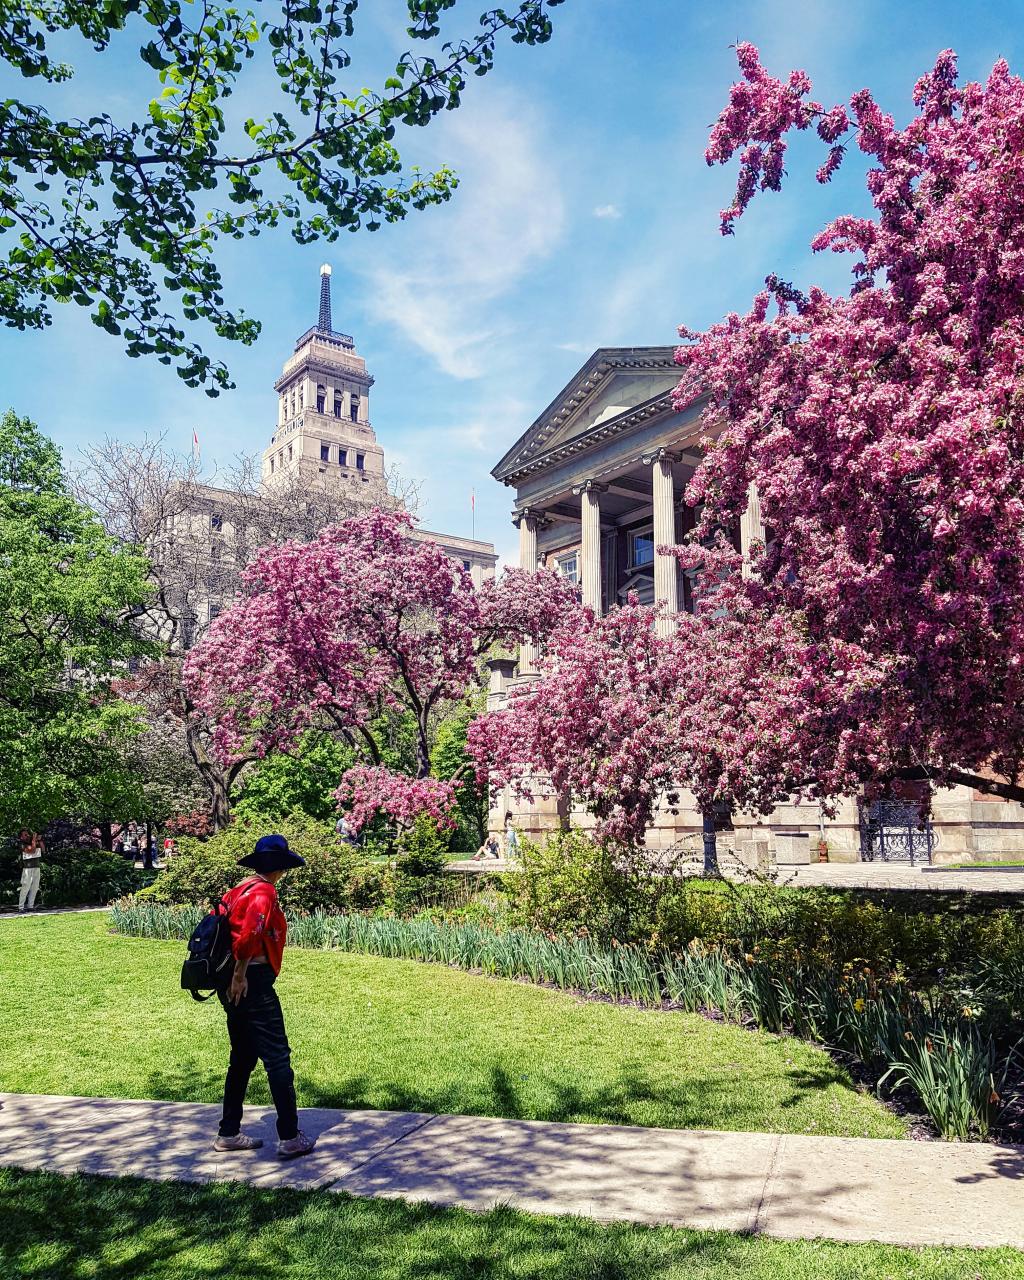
[{"x": 31, "y": 862}]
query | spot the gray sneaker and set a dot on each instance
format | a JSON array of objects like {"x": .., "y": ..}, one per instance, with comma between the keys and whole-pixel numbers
[
  {"x": 300, "y": 1145},
  {"x": 238, "y": 1142}
]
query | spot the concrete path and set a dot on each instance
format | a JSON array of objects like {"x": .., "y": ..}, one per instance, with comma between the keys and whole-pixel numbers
[
  {"x": 851, "y": 1189},
  {"x": 843, "y": 875},
  {"x": 47, "y": 911},
  {"x": 893, "y": 875}
]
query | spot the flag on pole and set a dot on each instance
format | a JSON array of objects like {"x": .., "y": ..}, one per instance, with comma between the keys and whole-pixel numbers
[
  {"x": 472, "y": 507},
  {"x": 195, "y": 443}
]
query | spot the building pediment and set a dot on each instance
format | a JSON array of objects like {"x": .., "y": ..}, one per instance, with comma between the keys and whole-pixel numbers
[{"x": 614, "y": 384}]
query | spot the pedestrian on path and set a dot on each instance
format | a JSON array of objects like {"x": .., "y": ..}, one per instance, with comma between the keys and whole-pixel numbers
[
  {"x": 255, "y": 1020},
  {"x": 31, "y": 864}
]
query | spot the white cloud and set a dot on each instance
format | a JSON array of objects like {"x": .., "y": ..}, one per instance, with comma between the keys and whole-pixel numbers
[
  {"x": 440, "y": 280},
  {"x": 607, "y": 211}
]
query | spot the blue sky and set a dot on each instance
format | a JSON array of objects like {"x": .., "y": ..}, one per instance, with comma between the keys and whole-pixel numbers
[{"x": 585, "y": 217}]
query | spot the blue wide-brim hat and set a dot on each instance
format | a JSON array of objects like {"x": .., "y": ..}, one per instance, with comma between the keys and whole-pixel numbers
[{"x": 271, "y": 853}]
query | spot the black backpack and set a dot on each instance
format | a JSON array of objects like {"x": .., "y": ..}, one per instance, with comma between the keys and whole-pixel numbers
[{"x": 209, "y": 962}]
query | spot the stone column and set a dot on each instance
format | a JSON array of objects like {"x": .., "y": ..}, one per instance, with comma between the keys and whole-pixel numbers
[
  {"x": 666, "y": 583},
  {"x": 589, "y": 494},
  {"x": 751, "y": 527},
  {"x": 528, "y": 522}
]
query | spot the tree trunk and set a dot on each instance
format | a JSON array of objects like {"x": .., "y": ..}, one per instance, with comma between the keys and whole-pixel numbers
[
  {"x": 710, "y": 842},
  {"x": 107, "y": 836},
  {"x": 220, "y": 804},
  {"x": 214, "y": 779},
  {"x": 422, "y": 750}
]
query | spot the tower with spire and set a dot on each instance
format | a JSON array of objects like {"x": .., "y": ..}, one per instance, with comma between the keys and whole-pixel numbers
[{"x": 323, "y": 434}]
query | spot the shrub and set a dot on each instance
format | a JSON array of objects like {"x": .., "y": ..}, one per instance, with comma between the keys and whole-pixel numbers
[
  {"x": 570, "y": 885},
  {"x": 73, "y": 876},
  {"x": 201, "y": 871}
]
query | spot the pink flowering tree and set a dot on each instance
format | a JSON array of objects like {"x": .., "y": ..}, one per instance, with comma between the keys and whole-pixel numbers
[
  {"x": 365, "y": 620},
  {"x": 736, "y": 706},
  {"x": 883, "y": 430},
  {"x": 595, "y": 725}
]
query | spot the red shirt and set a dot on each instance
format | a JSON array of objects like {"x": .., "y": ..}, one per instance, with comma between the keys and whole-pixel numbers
[{"x": 256, "y": 921}]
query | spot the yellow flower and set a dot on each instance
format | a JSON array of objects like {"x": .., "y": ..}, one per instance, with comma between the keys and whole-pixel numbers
[{"x": 858, "y": 1004}]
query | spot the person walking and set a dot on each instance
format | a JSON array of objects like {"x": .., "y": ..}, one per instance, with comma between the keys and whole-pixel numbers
[
  {"x": 31, "y": 864},
  {"x": 256, "y": 1028}
]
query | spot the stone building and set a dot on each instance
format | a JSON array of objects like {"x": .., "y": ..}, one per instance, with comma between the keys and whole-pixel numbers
[
  {"x": 599, "y": 478},
  {"x": 323, "y": 463}
]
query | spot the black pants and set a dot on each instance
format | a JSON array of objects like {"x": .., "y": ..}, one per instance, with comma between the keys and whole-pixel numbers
[{"x": 256, "y": 1031}]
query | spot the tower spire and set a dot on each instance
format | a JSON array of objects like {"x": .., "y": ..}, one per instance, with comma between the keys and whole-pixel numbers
[{"x": 325, "y": 299}]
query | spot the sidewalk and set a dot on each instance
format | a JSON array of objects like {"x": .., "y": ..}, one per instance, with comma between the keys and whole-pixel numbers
[
  {"x": 853, "y": 1189},
  {"x": 840, "y": 875},
  {"x": 15, "y": 914}
]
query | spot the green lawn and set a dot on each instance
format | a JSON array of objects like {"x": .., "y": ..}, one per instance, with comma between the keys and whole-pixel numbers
[
  {"x": 100, "y": 1015},
  {"x": 93, "y": 1229}
]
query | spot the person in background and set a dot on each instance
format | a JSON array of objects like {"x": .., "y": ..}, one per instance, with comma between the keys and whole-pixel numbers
[
  {"x": 31, "y": 864},
  {"x": 490, "y": 848},
  {"x": 511, "y": 839},
  {"x": 255, "y": 1020},
  {"x": 346, "y": 835}
]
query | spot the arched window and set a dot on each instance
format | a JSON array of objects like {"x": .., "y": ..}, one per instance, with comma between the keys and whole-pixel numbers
[{"x": 321, "y": 398}]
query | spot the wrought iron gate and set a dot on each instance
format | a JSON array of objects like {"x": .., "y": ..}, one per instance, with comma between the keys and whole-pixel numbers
[{"x": 894, "y": 831}]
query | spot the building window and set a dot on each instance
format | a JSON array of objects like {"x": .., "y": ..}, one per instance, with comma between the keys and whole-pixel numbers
[
  {"x": 214, "y": 610},
  {"x": 271, "y": 466},
  {"x": 337, "y": 406},
  {"x": 353, "y": 408},
  {"x": 641, "y": 548},
  {"x": 321, "y": 400},
  {"x": 466, "y": 565},
  {"x": 360, "y": 461},
  {"x": 289, "y": 453},
  {"x": 325, "y": 453},
  {"x": 569, "y": 567},
  {"x": 342, "y": 458},
  {"x": 217, "y": 521}
]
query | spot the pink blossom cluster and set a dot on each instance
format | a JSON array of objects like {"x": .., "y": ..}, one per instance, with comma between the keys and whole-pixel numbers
[
  {"x": 368, "y": 790},
  {"x": 761, "y": 111}
]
